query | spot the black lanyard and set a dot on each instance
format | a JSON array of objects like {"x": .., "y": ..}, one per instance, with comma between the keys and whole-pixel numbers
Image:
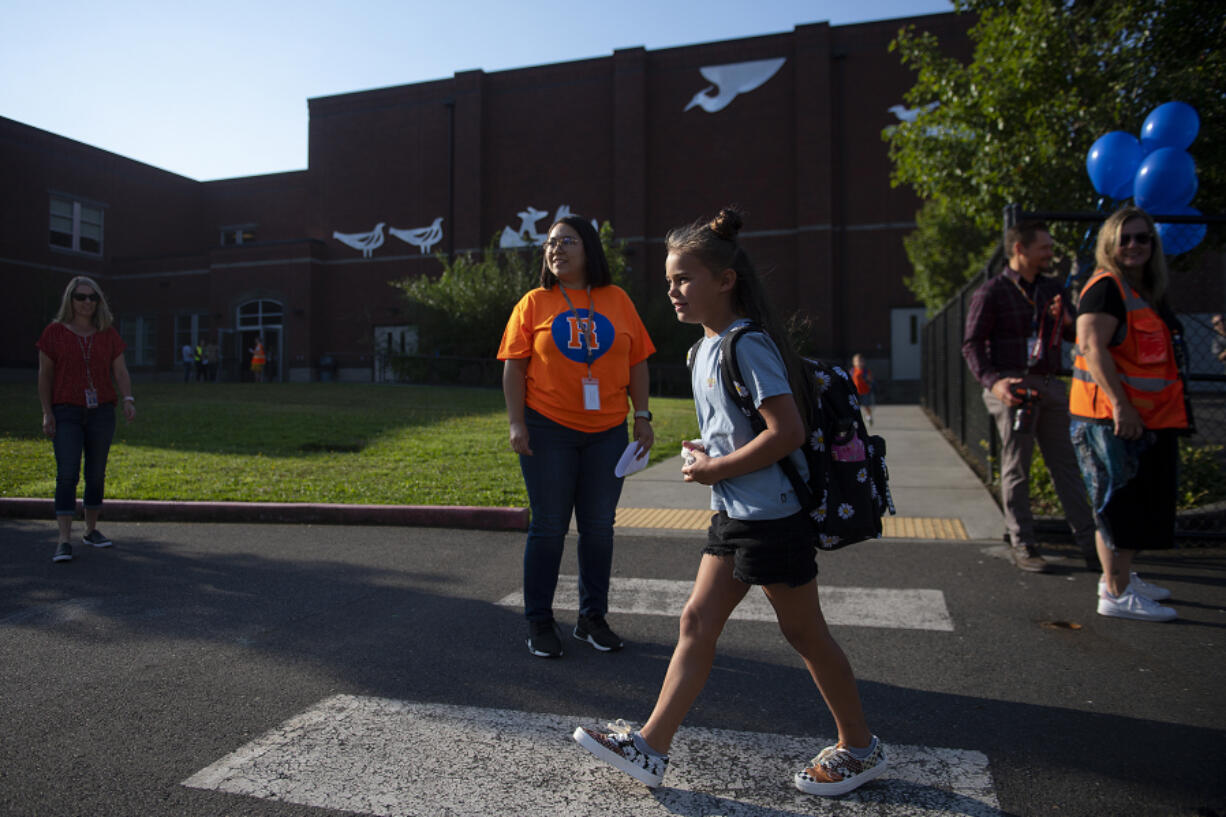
[{"x": 591, "y": 321}]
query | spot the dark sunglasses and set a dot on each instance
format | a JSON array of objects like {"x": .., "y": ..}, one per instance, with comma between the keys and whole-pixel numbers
[
  {"x": 1142, "y": 239},
  {"x": 81, "y": 296}
]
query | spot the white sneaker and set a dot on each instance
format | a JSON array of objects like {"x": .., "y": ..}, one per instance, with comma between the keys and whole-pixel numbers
[
  {"x": 617, "y": 748},
  {"x": 1141, "y": 587},
  {"x": 1133, "y": 605}
]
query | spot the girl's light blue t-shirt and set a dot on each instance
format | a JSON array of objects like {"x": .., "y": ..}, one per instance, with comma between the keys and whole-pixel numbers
[{"x": 765, "y": 493}]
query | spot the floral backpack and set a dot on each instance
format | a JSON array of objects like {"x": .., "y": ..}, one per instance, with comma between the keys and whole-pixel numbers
[{"x": 848, "y": 490}]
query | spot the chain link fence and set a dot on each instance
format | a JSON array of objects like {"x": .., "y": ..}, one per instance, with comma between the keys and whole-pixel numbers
[{"x": 953, "y": 398}]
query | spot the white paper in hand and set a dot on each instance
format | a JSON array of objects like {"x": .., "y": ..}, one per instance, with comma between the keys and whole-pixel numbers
[{"x": 629, "y": 463}]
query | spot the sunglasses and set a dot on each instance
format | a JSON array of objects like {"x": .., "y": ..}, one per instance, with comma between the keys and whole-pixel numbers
[
  {"x": 81, "y": 296},
  {"x": 1141, "y": 239},
  {"x": 564, "y": 241}
]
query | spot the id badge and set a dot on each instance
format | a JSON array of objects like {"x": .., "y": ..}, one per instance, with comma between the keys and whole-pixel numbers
[
  {"x": 1034, "y": 347},
  {"x": 91, "y": 398},
  {"x": 591, "y": 394}
]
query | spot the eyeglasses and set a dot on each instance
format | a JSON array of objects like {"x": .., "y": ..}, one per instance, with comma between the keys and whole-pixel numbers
[
  {"x": 563, "y": 241},
  {"x": 81, "y": 296},
  {"x": 1141, "y": 239}
]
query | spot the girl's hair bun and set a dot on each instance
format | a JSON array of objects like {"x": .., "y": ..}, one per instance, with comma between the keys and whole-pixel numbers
[{"x": 727, "y": 224}]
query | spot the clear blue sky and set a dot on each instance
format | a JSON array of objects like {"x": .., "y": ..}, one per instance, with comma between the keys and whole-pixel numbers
[{"x": 219, "y": 89}]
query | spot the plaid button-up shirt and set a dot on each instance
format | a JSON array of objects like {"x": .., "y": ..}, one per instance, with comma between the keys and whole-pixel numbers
[{"x": 1001, "y": 318}]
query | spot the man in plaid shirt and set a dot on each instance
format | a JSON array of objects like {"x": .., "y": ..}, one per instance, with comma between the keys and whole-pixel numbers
[{"x": 1014, "y": 328}]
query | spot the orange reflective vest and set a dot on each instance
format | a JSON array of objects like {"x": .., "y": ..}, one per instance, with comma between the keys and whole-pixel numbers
[
  {"x": 1145, "y": 360},
  {"x": 257, "y": 357}
]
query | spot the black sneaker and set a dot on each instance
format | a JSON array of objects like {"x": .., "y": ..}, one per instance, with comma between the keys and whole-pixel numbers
[
  {"x": 63, "y": 553},
  {"x": 595, "y": 631},
  {"x": 543, "y": 640},
  {"x": 97, "y": 538}
]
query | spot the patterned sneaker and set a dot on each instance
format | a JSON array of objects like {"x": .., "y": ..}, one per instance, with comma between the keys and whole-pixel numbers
[
  {"x": 1130, "y": 604},
  {"x": 543, "y": 640},
  {"x": 97, "y": 538},
  {"x": 837, "y": 771},
  {"x": 618, "y": 750},
  {"x": 595, "y": 631},
  {"x": 63, "y": 553},
  {"x": 1141, "y": 587}
]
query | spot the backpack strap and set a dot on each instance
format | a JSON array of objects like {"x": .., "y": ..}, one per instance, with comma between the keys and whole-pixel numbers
[{"x": 734, "y": 385}]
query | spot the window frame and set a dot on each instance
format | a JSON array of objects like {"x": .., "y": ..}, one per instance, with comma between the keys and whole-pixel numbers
[{"x": 81, "y": 218}]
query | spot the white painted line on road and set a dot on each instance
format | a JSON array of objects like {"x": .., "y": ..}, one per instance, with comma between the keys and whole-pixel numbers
[
  {"x": 386, "y": 757},
  {"x": 906, "y": 609}
]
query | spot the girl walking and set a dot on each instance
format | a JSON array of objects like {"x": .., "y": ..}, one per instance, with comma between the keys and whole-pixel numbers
[{"x": 759, "y": 533}]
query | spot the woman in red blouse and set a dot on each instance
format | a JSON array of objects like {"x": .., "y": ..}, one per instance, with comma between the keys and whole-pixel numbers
[{"x": 80, "y": 364}]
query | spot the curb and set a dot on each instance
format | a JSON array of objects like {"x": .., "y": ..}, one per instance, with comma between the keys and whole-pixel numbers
[{"x": 430, "y": 516}]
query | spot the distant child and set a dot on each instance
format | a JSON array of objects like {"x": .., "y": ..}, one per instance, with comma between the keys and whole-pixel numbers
[
  {"x": 760, "y": 534},
  {"x": 862, "y": 376}
]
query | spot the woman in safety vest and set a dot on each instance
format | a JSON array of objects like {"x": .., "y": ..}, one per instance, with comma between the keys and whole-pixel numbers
[
  {"x": 1127, "y": 407},
  {"x": 258, "y": 359}
]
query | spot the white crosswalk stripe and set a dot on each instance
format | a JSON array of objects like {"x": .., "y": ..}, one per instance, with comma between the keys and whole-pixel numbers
[
  {"x": 386, "y": 757},
  {"x": 907, "y": 608}
]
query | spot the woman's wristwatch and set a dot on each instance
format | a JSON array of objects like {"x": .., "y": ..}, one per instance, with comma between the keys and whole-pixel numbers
[{"x": 644, "y": 413}]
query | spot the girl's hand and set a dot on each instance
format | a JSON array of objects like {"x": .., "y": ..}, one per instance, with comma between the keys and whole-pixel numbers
[
  {"x": 701, "y": 468},
  {"x": 49, "y": 425},
  {"x": 519, "y": 439}
]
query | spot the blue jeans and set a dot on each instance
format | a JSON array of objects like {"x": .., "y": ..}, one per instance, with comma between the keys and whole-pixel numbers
[
  {"x": 77, "y": 430},
  {"x": 569, "y": 471}
]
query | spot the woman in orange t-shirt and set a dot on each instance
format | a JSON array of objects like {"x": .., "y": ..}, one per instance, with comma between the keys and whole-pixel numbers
[{"x": 574, "y": 348}]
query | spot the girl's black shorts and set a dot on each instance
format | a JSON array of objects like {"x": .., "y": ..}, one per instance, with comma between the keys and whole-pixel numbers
[{"x": 766, "y": 551}]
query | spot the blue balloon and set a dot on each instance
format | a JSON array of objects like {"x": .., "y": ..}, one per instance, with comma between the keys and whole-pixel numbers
[
  {"x": 1170, "y": 125},
  {"x": 1165, "y": 180},
  {"x": 1112, "y": 163},
  {"x": 1177, "y": 238}
]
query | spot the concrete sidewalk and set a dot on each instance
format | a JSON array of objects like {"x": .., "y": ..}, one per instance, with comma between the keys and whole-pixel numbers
[{"x": 936, "y": 494}]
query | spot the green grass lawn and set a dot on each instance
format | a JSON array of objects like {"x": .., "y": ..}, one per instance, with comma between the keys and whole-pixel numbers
[{"x": 308, "y": 442}]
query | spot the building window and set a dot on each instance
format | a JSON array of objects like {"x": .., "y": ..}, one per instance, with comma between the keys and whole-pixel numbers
[
  {"x": 258, "y": 314},
  {"x": 235, "y": 235},
  {"x": 190, "y": 329},
  {"x": 140, "y": 335},
  {"x": 76, "y": 226}
]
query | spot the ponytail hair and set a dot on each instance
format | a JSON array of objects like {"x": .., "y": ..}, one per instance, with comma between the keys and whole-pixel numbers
[{"x": 715, "y": 246}]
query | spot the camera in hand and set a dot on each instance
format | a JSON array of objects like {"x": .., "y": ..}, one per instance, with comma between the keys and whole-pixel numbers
[{"x": 1024, "y": 413}]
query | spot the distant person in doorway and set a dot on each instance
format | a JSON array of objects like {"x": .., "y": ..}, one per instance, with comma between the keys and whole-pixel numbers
[
  {"x": 81, "y": 375},
  {"x": 212, "y": 360},
  {"x": 1127, "y": 404},
  {"x": 574, "y": 349},
  {"x": 862, "y": 377},
  {"x": 258, "y": 360},
  {"x": 1012, "y": 344},
  {"x": 188, "y": 356}
]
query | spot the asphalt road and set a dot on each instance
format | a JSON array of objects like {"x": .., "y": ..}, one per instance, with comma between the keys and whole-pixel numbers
[{"x": 130, "y": 670}]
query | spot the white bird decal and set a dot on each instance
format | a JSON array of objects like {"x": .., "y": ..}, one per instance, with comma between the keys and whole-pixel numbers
[
  {"x": 422, "y": 237},
  {"x": 732, "y": 79},
  {"x": 527, "y": 234},
  {"x": 366, "y": 242}
]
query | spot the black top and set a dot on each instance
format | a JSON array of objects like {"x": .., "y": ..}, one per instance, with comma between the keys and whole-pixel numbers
[{"x": 1105, "y": 297}]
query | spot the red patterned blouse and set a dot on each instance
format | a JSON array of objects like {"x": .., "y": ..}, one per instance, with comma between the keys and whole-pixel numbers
[{"x": 69, "y": 352}]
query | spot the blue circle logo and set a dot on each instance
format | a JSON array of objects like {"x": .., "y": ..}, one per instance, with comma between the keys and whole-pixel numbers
[{"x": 567, "y": 334}]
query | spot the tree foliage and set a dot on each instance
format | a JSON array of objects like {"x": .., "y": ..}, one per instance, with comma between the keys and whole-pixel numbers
[
  {"x": 1047, "y": 78},
  {"x": 463, "y": 311}
]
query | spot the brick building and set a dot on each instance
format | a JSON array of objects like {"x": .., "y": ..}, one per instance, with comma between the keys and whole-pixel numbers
[{"x": 788, "y": 126}]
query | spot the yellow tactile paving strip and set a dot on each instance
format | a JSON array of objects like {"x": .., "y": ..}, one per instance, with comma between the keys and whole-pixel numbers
[{"x": 893, "y": 527}]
